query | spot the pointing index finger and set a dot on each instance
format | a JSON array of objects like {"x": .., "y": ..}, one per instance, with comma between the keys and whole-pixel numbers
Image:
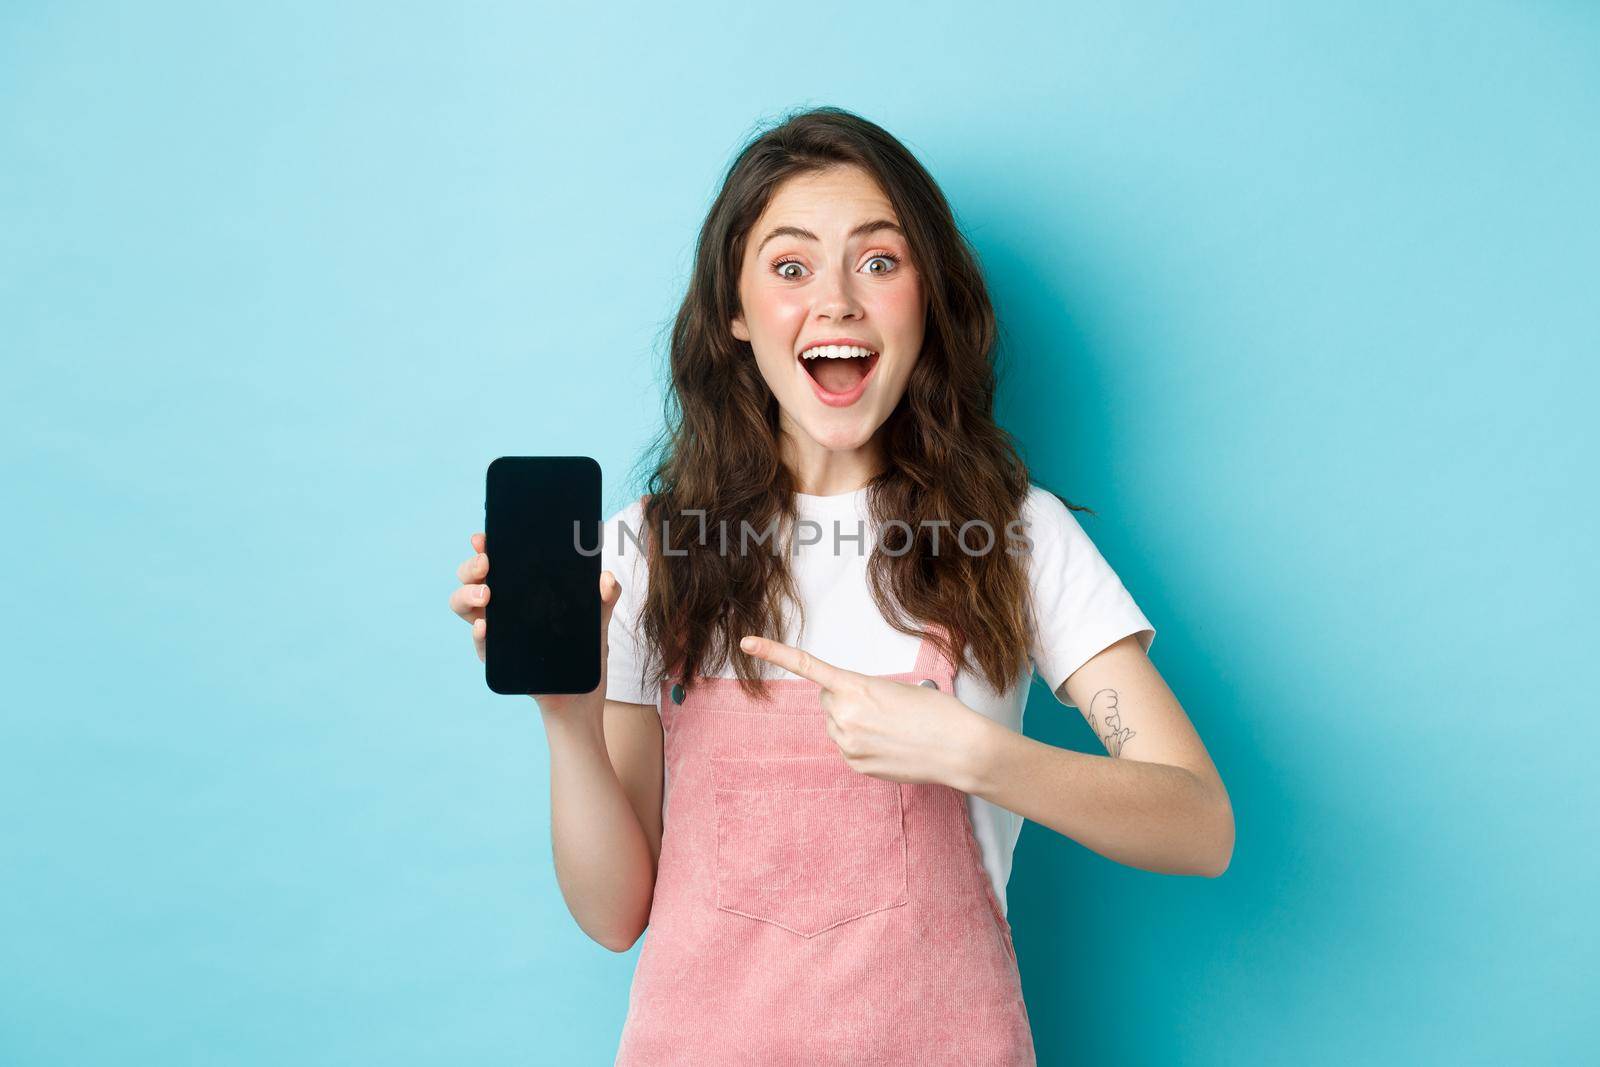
[{"x": 796, "y": 661}]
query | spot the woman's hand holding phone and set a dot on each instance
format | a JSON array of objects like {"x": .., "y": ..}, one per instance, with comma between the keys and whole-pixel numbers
[
  {"x": 605, "y": 861},
  {"x": 468, "y": 601}
]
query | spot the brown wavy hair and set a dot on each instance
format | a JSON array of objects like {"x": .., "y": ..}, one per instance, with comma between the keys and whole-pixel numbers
[{"x": 718, "y": 451}]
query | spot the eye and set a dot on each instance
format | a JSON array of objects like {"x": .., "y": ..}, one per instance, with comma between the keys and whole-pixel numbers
[
  {"x": 892, "y": 262},
  {"x": 779, "y": 266}
]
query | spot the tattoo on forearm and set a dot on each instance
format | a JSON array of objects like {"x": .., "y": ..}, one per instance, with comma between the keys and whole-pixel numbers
[{"x": 1112, "y": 733}]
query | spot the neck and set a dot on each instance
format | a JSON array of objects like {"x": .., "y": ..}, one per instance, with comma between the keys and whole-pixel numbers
[{"x": 820, "y": 471}]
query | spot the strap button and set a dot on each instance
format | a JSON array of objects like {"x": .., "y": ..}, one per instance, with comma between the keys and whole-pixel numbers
[
  {"x": 677, "y": 693},
  {"x": 929, "y": 682}
]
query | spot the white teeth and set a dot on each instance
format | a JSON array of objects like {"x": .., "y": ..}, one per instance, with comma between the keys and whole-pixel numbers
[{"x": 835, "y": 352}]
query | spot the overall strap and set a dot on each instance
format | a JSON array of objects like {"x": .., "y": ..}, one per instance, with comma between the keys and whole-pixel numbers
[{"x": 931, "y": 662}]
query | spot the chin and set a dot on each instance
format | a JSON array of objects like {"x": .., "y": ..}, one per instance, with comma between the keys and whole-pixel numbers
[{"x": 841, "y": 438}]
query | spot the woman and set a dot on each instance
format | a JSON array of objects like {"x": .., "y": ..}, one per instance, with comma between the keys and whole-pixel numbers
[{"x": 818, "y": 830}]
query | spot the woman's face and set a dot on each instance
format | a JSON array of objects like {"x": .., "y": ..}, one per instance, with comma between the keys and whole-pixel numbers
[{"x": 826, "y": 262}]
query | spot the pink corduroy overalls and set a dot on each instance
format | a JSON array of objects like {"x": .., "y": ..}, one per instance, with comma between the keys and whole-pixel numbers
[{"x": 806, "y": 913}]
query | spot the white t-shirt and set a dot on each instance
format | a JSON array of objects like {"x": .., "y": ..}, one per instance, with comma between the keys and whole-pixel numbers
[{"x": 1081, "y": 607}]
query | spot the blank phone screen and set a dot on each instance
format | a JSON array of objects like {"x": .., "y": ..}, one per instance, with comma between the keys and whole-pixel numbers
[{"x": 542, "y": 536}]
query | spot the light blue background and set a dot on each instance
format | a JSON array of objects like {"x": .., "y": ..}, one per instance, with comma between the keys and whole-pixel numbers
[{"x": 1300, "y": 300}]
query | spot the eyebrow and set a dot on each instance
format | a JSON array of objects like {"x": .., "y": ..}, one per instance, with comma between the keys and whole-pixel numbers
[{"x": 872, "y": 226}]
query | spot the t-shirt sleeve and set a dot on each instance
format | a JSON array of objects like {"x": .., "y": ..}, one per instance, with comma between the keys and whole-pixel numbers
[
  {"x": 1080, "y": 604},
  {"x": 622, "y": 553}
]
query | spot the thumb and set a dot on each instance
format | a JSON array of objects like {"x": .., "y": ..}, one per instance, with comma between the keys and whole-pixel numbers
[{"x": 610, "y": 593}]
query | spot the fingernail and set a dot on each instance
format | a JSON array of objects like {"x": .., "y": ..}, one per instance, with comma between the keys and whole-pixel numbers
[
  {"x": 483, "y": 594},
  {"x": 747, "y": 643}
]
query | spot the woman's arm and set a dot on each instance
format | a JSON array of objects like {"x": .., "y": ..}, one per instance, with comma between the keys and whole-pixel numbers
[
  {"x": 605, "y": 818},
  {"x": 1155, "y": 801}
]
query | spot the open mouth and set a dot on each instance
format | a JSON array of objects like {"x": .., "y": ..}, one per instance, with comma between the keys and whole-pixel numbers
[{"x": 839, "y": 373}]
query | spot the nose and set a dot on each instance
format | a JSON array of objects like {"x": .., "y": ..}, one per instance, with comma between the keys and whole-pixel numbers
[{"x": 836, "y": 297}]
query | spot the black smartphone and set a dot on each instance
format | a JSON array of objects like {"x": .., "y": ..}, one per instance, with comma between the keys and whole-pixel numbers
[{"x": 541, "y": 529}]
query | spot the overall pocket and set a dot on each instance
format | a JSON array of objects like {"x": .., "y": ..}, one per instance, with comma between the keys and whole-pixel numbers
[{"x": 806, "y": 842}]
